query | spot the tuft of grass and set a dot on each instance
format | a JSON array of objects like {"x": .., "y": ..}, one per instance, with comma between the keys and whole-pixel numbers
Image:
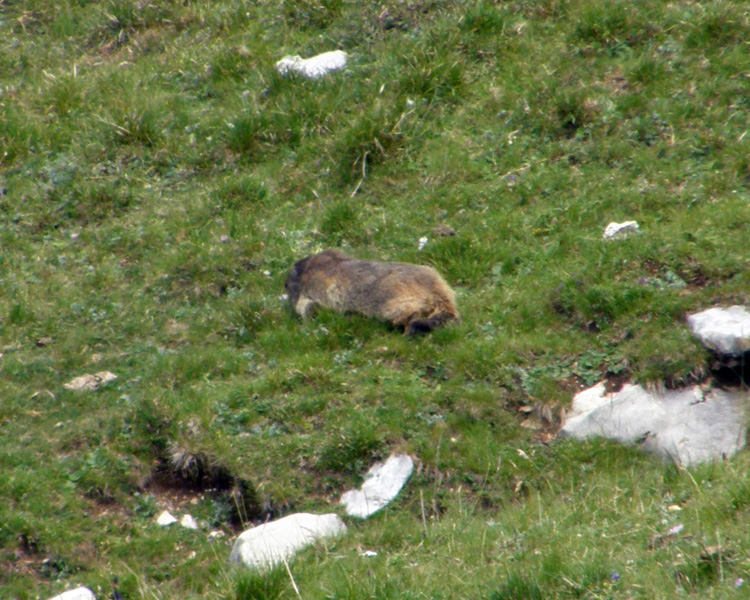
[
  {"x": 311, "y": 14},
  {"x": 269, "y": 585},
  {"x": 351, "y": 450},
  {"x": 517, "y": 587},
  {"x": 484, "y": 17}
]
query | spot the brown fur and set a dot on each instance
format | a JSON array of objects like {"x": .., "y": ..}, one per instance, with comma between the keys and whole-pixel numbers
[{"x": 410, "y": 296}]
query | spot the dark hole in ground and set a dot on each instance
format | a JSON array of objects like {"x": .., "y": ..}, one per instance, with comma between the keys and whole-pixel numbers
[
  {"x": 732, "y": 371},
  {"x": 183, "y": 476}
]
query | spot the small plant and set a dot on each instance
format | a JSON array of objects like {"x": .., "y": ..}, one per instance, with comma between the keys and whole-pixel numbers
[
  {"x": 370, "y": 138},
  {"x": 351, "y": 450},
  {"x": 246, "y": 133},
  {"x": 339, "y": 219},
  {"x": 602, "y": 23},
  {"x": 432, "y": 74},
  {"x": 311, "y": 13},
  {"x": 718, "y": 25},
  {"x": 518, "y": 587},
  {"x": 484, "y": 17},
  {"x": 241, "y": 191}
]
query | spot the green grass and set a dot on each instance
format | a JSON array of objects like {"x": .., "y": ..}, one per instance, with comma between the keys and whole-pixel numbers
[{"x": 159, "y": 178}]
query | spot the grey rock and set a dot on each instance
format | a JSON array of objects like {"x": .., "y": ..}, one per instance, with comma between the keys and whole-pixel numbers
[
  {"x": 688, "y": 426},
  {"x": 271, "y": 543},
  {"x": 90, "y": 382},
  {"x": 382, "y": 484},
  {"x": 725, "y": 330}
]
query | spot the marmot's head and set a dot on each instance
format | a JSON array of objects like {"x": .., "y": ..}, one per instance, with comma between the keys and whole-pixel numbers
[
  {"x": 322, "y": 262},
  {"x": 293, "y": 283}
]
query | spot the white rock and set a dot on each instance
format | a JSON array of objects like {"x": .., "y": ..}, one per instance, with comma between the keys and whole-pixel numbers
[
  {"x": 617, "y": 230},
  {"x": 81, "y": 593},
  {"x": 188, "y": 522},
  {"x": 271, "y": 543},
  {"x": 725, "y": 330},
  {"x": 314, "y": 67},
  {"x": 165, "y": 518},
  {"x": 589, "y": 400},
  {"x": 90, "y": 382},
  {"x": 382, "y": 484},
  {"x": 688, "y": 426}
]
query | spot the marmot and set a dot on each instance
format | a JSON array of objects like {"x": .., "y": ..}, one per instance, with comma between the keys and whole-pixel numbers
[{"x": 410, "y": 296}]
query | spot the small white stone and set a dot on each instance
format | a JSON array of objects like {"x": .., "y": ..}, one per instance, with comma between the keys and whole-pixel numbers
[
  {"x": 422, "y": 242},
  {"x": 368, "y": 553},
  {"x": 81, "y": 593},
  {"x": 188, "y": 522},
  {"x": 676, "y": 529},
  {"x": 314, "y": 67},
  {"x": 618, "y": 230},
  {"x": 382, "y": 484},
  {"x": 165, "y": 518}
]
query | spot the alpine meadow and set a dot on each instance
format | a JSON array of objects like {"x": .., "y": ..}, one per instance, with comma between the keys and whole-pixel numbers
[{"x": 158, "y": 180}]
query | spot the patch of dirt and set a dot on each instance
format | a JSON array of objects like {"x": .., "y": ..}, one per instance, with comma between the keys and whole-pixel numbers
[
  {"x": 691, "y": 274},
  {"x": 30, "y": 558},
  {"x": 616, "y": 83}
]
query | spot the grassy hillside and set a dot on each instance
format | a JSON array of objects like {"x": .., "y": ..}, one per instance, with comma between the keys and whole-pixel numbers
[{"x": 158, "y": 179}]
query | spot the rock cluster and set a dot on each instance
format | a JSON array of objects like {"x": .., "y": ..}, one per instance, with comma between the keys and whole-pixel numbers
[
  {"x": 271, "y": 543},
  {"x": 689, "y": 426}
]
